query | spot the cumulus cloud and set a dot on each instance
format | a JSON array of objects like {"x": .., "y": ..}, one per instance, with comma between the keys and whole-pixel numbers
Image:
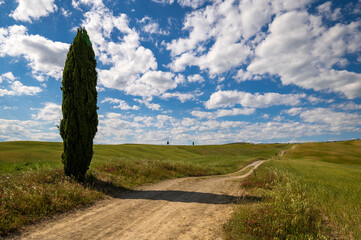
[
  {"x": 29, "y": 10},
  {"x": 184, "y": 3},
  {"x": 16, "y": 88},
  {"x": 303, "y": 52},
  {"x": 148, "y": 104},
  {"x": 7, "y": 76},
  {"x": 347, "y": 106},
  {"x": 339, "y": 121},
  {"x": 181, "y": 96},
  {"x": 164, "y": 1},
  {"x": 133, "y": 67},
  {"x": 243, "y": 75},
  {"x": 51, "y": 113},
  {"x": 150, "y": 26},
  {"x": 222, "y": 99},
  {"x": 299, "y": 47},
  {"x": 114, "y": 128},
  {"x": 192, "y": 3},
  {"x": 326, "y": 10},
  {"x": 161, "y": 128},
  {"x": 45, "y": 57},
  {"x": 195, "y": 78},
  {"x": 121, "y": 104},
  {"x": 223, "y": 113},
  {"x": 293, "y": 111},
  {"x": 16, "y": 130},
  {"x": 227, "y": 25}
]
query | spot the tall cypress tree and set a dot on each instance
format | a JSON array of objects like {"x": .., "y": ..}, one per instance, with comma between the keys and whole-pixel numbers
[{"x": 80, "y": 119}]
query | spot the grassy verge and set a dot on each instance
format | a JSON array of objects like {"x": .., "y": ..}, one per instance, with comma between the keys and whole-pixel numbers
[
  {"x": 310, "y": 193},
  {"x": 31, "y": 196},
  {"x": 33, "y": 186},
  {"x": 286, "y": 212}
]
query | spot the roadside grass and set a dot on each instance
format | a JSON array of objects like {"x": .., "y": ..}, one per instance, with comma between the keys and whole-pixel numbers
[
  {"x": 332, "y": 175},
  {"x": 312, "y": 192},
  {"x": 31, "y": 196},
  {"x": 33, "y": 185}
]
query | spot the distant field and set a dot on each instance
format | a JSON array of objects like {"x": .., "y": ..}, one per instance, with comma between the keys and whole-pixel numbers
[
  {"x": 217, "y": 159},
  {"x": 325, "y": 179}
]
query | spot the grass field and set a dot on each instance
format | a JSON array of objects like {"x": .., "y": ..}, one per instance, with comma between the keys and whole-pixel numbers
[
  {"x": 312, "y": 192},
  {"x": 33, "y": 186}
]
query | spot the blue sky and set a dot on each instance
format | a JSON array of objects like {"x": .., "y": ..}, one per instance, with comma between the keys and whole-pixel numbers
[{"x": 186, "y": 71}]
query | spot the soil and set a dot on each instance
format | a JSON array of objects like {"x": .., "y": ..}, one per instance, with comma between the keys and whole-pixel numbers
[{"x": 186, "y": 208}]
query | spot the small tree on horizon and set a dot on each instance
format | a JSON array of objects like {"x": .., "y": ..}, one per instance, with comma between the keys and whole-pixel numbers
[{"x": 80, "y": 119}]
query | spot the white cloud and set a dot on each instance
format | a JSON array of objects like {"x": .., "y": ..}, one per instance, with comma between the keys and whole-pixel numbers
[
  {"x": 164, "y": 1},
  {"x": 226, "y": 25},
  {"x": 19, "y": 89},
  {"x": 222, "y": 99},
  {"x": 16, "y": 130},
  {"x": 121, "y": 104},
  {"x": 113, "y": 128},
  {"x": 223, "y": 113},
  {"x": 303, "y": 52},
  {"x": 326, "y": 10},
  {"x": 181, "y": 96},
  {"x": 152, "y": 83},
  {"x": 299, "y": 47},
  {"x": 7, "y": 76},
  {"x": 148, "y": 104},
  {"x": 45, "y": 57},
  {"x": 149, "y": 25},
  {"x": 159, "y": 129},
  {"x": 29, "y": 10},
  {"x": 338, "y": 121},
  {"x": 195, "y": 78},
  {"x": 315, "y": 100},
  {"x": 133, "y": 67},
  {"x": 192, "y": 3},
  {"x": 16, "y": 88},
  {"x": 66, "y": 13},
  {"x": 347, "y": 106},
  {"x": 184, "y": 3},
  {"x": 2, "y": 2},
  {"x": 51, "y": 113},
  {"x": 335, "y": 120},
  {"x": 293, "y": 111},
  {"x": 242, "y": 76},
  {"x": 97, "y": 3}
]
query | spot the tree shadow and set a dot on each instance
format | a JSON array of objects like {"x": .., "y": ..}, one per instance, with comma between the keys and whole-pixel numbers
[
  {"x": 171, "y": 195},
  {"x": 187, "y": 197}
]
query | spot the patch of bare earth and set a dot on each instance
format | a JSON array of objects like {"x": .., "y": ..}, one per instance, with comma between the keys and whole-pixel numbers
[{"x": 187, "y": 208}]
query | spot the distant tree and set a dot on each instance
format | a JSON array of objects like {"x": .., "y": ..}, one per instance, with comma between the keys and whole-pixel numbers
[
  {"x": 80, "y": 119},
  {"x": 167, "y": 142}
]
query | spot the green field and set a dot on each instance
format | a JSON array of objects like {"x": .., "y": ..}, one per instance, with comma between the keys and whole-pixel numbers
[
  {"x": 32, "y": 183},
  {"x": 312, "y": 192},
  {"x": 216, "y": 159},
  {"x": 331, "y": 173},
  {"x": 322, "y": 178}
]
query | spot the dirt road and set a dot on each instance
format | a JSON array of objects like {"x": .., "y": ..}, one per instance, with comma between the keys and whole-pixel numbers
[{"x": 187, "y": 208}]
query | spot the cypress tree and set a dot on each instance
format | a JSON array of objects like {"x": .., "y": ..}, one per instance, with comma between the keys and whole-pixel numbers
[{"x": 80, "y": 119}]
